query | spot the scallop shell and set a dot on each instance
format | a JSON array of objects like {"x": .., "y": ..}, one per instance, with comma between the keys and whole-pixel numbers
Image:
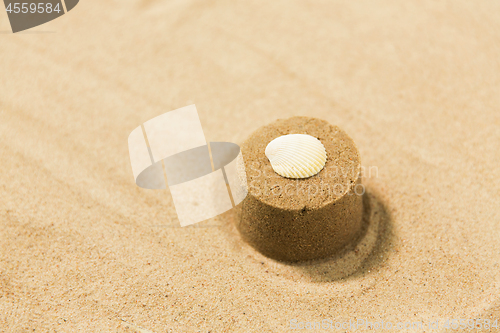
[{"x": 296, "y": 155}]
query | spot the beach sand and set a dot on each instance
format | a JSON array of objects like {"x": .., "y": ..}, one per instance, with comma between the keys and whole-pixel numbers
[{"x": 415, "y": 84}]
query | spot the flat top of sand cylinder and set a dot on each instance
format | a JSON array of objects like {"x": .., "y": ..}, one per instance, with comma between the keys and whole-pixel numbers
[{"x": 339, "y": 174}]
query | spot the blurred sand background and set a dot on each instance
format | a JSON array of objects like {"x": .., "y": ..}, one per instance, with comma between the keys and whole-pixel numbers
[{"x": 416, "y": 84}]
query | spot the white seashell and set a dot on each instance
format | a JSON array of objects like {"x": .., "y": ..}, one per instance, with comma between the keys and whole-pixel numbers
[{"x": 296, "y": 155}]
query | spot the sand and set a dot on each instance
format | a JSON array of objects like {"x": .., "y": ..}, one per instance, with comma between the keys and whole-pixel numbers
[
  {"x": 302, "y": 219},
  {"x": 414, "y": 83}
]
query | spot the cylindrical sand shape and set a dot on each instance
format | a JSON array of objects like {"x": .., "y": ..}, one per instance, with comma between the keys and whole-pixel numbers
[{"x": 302, "y": 219}]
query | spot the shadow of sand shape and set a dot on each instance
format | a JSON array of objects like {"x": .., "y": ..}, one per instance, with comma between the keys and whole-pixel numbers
[{"x": 366, "y": 253}]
